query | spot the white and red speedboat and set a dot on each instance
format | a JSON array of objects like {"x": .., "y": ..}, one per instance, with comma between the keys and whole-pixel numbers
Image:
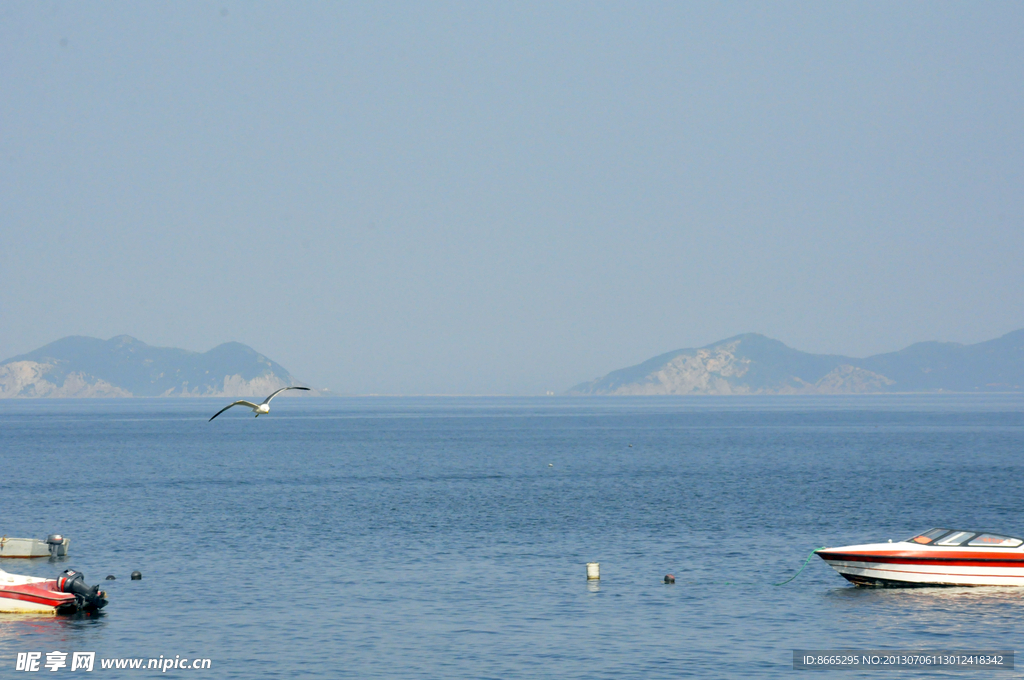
[
  {"x": 65, "y": 594},
  {"x": 939, "y": 557}
]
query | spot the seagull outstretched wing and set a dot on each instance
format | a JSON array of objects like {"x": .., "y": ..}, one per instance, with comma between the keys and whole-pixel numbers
[
  {"x": 240, "y": 402},
  {"x": 277, "y": 392}
]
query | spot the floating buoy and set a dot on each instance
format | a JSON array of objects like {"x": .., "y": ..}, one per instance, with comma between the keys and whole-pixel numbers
[
  {"x": 593, "y": 571},
  {"x": 111, "y": 577},
  {"x": 551, "y": 465},
  {"x": 669, "y": 578},
  {"x": 136, "y": 575},
  {"x": 630, "y": 446}
]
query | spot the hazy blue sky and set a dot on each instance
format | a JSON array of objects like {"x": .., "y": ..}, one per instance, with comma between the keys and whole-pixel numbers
[{"x": 509, "y": 198}]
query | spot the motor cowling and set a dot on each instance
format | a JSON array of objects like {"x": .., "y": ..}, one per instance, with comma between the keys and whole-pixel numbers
[
  {"x": 55, "y": 542},
  {"x": 88, "y": 597}
]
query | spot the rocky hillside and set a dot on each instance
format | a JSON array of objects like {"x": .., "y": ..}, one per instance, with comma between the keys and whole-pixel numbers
[
  {"x": 755, "y": 364},
  {"x": 125, "y": 367}
]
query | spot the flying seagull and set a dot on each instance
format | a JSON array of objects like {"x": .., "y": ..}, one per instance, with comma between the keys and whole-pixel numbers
[{"x": 257, "y": 408}]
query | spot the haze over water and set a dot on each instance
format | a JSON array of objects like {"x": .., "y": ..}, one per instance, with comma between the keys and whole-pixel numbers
[{"x": 425, "y": 538}]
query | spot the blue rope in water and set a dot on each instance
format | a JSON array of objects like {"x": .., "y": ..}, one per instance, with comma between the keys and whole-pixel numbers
[{"x": 813, "y": 552}]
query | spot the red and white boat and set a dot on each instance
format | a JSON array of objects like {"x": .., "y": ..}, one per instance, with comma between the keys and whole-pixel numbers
[
  {"x": 66, "y": 594},
  {"x": 939, "y": 557}
]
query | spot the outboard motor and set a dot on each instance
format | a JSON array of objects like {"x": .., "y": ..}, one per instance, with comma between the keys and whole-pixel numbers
[
  {"x": 56, "y": 543},
  {"x": 88, "y": 597}
]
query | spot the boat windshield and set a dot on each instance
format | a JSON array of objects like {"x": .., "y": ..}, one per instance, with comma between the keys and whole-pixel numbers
[
  {"x": 994, "y": 540},
  {"x": 972, "y": 539},
  {"x": 928, "y": 536}
]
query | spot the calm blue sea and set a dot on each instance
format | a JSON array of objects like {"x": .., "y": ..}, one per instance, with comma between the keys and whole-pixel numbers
[{"x": 447, "y": 538}]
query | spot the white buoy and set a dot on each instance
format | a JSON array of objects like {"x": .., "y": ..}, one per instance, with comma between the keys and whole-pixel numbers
[{"x": 593, "y": 571}]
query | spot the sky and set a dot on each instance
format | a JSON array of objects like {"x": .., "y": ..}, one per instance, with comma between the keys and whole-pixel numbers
[{"x": 509, "y": 198}]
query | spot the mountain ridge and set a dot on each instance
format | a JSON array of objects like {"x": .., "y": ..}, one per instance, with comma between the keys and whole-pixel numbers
[
  {"x": 752, "y": 363},
  {"x": 80, "y": 366}
]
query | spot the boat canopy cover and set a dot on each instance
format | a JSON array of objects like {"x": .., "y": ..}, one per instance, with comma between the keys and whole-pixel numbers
[{"x": 972, "y": 539}]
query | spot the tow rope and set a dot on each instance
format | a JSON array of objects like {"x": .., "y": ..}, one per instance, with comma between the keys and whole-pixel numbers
[{"x": 804, "y": 566}]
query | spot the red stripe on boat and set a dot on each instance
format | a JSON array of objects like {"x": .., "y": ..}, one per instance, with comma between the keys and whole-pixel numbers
[
  {"x": 944, "y": 560},
  {"x": 37, "y": 599}
]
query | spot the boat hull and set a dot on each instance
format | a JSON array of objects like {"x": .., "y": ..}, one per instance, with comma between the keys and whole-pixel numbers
[
  {"x": 29, "y": 548},
  {"x": 906, "y": 565},
  {"x": 36, "y": 598}
]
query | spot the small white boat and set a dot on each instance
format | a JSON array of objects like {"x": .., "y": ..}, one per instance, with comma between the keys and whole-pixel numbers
[
  {"x": 66, "y": 594},
  {"x": 55, "y": 545},
  {"x": 938, "y": 557}
]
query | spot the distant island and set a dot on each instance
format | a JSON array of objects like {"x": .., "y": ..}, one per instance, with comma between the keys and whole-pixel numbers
[
  {"x": 79, "y": 366},
  {"x": 755, "y": 364}
]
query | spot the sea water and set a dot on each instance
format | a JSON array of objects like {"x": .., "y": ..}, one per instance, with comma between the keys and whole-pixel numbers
[{"x": 447, "y": 538}]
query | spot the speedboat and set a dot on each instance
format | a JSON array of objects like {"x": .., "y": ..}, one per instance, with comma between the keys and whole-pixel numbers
[
  {"x": 938, "y": 557},
  {"x": 66, "y": 594}
]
